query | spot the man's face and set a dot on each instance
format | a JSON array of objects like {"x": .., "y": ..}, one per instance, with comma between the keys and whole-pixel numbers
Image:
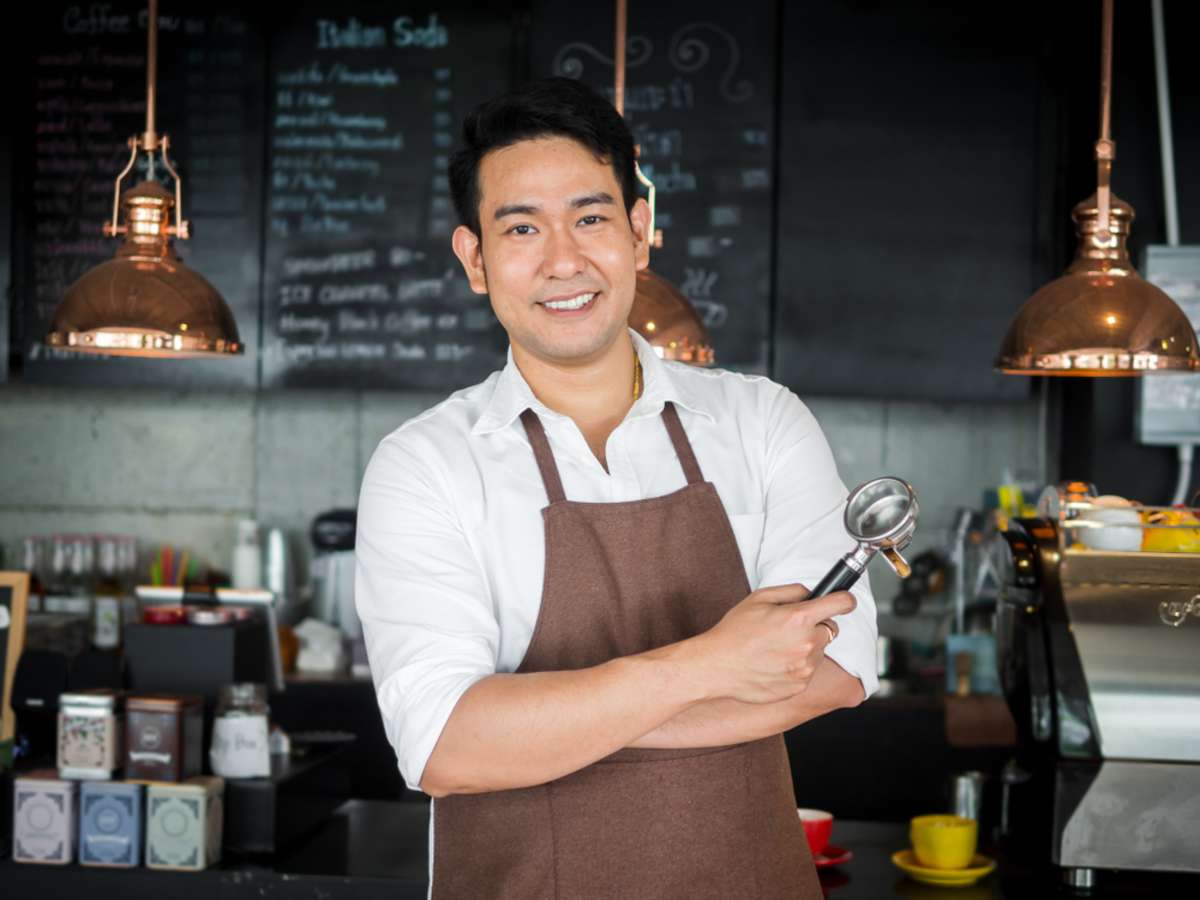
[{"x": 557, "y": 253}]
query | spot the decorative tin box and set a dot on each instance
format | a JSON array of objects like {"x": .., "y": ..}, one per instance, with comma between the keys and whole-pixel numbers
[
  {"x": 164, "y": 737},
  {"x": 110, "y": 823},
  {"x": 43, "y": 818},
  {"x": 183, "y": 824},
  {"x": 89, "y": 734}
]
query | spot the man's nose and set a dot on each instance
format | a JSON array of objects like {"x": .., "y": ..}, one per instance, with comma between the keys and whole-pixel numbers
[{"x": 562, "y": 257}]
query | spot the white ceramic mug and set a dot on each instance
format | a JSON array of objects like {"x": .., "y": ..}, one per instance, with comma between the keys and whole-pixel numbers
[{"x": 1122, "y": 525}]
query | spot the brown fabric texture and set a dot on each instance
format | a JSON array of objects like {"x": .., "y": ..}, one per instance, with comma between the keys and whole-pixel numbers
[{"x": 702, "y": 824}]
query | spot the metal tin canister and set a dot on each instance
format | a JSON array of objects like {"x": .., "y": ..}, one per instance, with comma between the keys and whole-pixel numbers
[
  {"x": 44, "y": 818},
  {"x": 90, "y": 731},
  {"x": 164, "y": 736},
  {"x": 110, "y": 824},
  {"x": 183, "y": 824}
]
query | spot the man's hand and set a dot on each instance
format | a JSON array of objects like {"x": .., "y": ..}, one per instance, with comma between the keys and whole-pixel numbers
[{"x": 768, "y": 647}]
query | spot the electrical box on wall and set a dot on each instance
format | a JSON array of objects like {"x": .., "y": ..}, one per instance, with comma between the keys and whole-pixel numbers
[{"x": 1168, "y": 408}]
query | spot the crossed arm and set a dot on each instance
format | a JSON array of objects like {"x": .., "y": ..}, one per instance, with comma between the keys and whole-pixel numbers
[{"x": 512, "y": 731}]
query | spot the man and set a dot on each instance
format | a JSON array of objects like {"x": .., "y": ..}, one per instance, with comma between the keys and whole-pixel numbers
[{"x": 555, "y": 566}]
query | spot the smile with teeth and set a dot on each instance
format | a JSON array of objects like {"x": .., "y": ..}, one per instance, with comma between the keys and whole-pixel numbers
[{"x": 573, "y": 303}]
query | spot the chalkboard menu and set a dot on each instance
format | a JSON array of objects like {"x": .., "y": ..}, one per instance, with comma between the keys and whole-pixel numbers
[
  {"x": 85, "y": 84},
  {"x": 361, "y": 287},
  {"x": 700, "y": 100},
  {"x": 911, "y": 177}
]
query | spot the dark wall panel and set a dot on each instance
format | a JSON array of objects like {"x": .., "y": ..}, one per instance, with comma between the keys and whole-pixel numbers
[{"x": 909, "y": 152}]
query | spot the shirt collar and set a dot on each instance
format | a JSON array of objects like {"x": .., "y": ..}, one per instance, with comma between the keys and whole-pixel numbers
[{"x": 661, "y": 381}]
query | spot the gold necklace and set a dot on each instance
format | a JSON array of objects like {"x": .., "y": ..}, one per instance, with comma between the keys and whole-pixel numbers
[{"x": 637, "y": 377}]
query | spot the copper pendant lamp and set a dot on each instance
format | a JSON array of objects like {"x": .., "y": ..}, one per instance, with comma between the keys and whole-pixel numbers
[
  {"x": 1101, "y": 318},
  {"x": 661, "y": 313},
  {"x": 145, "y": 302}
]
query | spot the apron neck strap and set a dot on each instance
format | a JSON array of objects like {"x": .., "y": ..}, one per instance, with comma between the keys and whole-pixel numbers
[
  {"x": 683, "y": 447},
  {"x": 549, "y": 468},
  {"x": 544, "y": 456}
]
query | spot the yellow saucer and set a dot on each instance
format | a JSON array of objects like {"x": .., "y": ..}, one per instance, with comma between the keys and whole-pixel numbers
[{"x": 907, "y": 861}]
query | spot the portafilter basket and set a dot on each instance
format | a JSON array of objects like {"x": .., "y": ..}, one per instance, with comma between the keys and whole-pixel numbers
[{"x": 881, "y": 515}]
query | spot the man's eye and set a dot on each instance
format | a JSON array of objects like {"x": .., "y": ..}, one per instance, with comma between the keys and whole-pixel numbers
[
  {"x": 591, "y": 220},
  {"x": 521, "y": 229}
]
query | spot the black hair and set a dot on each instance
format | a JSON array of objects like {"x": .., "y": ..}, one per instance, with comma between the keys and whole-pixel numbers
[{"x": 549, "y": 107}]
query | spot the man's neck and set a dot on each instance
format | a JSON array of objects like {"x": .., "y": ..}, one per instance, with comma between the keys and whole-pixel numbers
[{"x": 596, "y": 394}]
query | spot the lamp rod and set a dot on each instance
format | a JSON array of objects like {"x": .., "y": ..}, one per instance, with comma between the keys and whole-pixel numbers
[
  {"x": 619, "y": 59},
  {"x": 150, "y": 139},
  {"x": 1106, "y": 150}
]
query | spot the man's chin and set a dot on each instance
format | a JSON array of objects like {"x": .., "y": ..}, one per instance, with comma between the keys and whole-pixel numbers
[{"x": 569, "y": 349}]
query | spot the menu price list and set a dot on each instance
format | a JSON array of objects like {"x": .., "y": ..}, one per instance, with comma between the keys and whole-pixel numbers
[{"x": 362, "y": 288}]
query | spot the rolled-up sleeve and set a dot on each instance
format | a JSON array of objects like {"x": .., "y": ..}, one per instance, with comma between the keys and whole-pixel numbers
[
  {"x": 426, "y": 613},
  {"x": 803, "y": 531}
]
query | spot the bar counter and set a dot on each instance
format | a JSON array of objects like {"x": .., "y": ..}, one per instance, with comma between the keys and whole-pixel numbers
[{"x": 377, "y": 849}]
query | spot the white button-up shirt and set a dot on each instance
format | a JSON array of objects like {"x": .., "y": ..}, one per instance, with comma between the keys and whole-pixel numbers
[{"x": 451, "y": 552}]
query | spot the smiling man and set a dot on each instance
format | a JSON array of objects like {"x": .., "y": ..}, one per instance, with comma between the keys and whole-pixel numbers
[{"x": 579, "y": 579}]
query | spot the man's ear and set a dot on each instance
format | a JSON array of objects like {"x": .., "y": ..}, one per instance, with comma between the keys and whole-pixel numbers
[
  {"x": 639, "y": 221},
  {"x": 469, "y": 250}
]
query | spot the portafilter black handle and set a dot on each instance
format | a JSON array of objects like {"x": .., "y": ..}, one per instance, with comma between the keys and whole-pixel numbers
[{"x": 840, "y": 578}]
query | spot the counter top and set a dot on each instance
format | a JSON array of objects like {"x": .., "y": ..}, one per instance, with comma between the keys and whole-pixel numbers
[{"x": 377, "y": 849}]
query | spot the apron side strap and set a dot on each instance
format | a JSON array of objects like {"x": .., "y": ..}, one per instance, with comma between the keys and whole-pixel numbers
[
  {"x": 683, "y": 447},
  {"x": 544, "y": 456}
]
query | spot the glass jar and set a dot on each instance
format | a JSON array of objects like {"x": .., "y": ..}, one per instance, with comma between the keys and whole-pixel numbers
[{"x": 240, "y": 732}]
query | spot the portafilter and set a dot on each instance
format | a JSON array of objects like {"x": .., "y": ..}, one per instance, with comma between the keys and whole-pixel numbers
[{"x": 881, "y": 514}]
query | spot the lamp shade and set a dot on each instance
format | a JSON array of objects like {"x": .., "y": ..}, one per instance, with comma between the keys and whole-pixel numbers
[
  {"x": 667, "y": 319},
  {"x": 1101, "y": 318},
  {"x": 145, "y": 302}
]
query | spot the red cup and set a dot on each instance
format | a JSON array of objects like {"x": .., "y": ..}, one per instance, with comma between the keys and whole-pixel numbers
[
  {"x": 818, "y": 826},
  {"x": 165, "y": 614}
]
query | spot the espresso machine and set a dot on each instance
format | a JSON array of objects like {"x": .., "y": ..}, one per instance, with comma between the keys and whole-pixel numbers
[{"x": 1099, "y": 655}]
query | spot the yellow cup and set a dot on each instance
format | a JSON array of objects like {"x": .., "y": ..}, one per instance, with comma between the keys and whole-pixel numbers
[{"x": 943, "y": 841}]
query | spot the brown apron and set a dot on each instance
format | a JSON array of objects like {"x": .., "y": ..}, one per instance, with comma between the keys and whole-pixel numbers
[{"x": 697, "y": 824}]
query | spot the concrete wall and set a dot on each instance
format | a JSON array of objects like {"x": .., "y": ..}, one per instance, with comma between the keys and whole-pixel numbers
[{"x": 182, "y": 468}]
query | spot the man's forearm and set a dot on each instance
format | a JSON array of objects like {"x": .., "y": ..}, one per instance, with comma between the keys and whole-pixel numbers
[
  {"x": 719, "y": 722},
  {"x": 511, "y": 731}
]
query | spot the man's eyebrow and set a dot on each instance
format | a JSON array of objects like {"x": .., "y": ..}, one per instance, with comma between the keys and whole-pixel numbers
[
  {"x": 514, "y": 209},
  {"x": 600, "y": 198}
]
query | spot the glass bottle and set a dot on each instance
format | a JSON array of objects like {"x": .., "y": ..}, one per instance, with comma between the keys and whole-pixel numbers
[
  {"x": 106, "y": 618},
  {"x": 34, "y": 562},
  {"x": 57, "y": 594},
  {"x": 247, "y": 558},
  {"x": 81, "y": 576},
  {"x": 131, "y": 606}
]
